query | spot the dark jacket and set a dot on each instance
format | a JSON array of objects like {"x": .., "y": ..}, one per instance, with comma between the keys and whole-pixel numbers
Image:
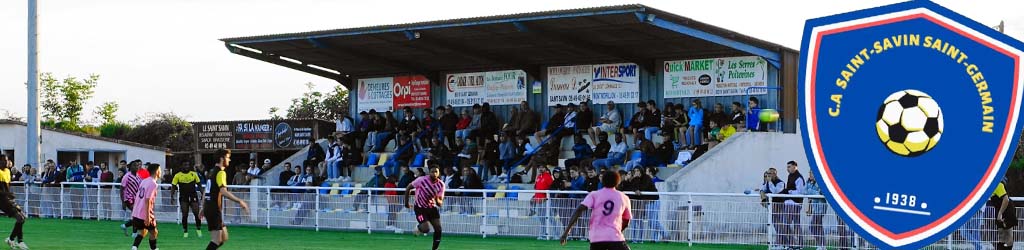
[
  {"x": 584, "y": 119},
  {"x": 556, "y": 120},
  {"x": 527, "y": 120},
  {"x": 472, "y": 181},
  {"x": 601, "y": 151},
  {"x": 489, "y": 124},
  {"x": 448, "y": 122}
]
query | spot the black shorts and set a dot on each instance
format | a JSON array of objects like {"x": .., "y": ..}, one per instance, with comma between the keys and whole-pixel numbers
[
  {"x": 141, "y": 225},
  {"x": 621, "y": 245},
  {"x": 9, "y": 207},
  {"x": 188, "y": 199},
  {"x": 426, "y": 214},
  {"x": 214, "y": 218}
]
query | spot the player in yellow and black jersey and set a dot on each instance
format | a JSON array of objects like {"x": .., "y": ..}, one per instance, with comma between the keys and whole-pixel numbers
[
  {"x": 188, "y": 182},
  {"x": 9, "y": 206}
]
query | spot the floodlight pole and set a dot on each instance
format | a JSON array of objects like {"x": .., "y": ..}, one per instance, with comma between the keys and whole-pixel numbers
[{"x": 32, "y": 147}]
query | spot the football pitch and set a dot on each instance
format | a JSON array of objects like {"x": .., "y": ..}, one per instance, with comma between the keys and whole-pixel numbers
[{"x": 81, "y": 234}]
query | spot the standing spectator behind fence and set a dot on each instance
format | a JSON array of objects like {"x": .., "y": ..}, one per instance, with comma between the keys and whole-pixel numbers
[
  {"x": 393, "y": 205},
  {"x": 470, "y": 181},
  {"x": 816, "y": 210},
  {"x": 76, "y": 173},
  {"x": 792, "y": 206}
]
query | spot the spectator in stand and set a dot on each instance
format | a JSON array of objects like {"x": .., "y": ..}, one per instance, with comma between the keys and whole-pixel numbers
[
  {"x": 344, "y": 128},
  {"x": 816, "y": 210},
  {"x": 616, "y": 154},
  {"x": 448, "y": 125},
  {"x": 600, "y": 151},
  {"x": 470, "y": 181},
  {"x": 350, "y": 158},
  {"x": 581, "y": 152},
  {"x": 440, "y": 153},
  {"x": 668, "y": 122},
  {"x": 334, "y": 158},
  {"x": 94, "y": 172},
  {"x": 527, "y": 122},
  {"x": 474, "y": 123},
  {"x": 611, "y": 120},
  {"x": 266, "y": 166},
  {"x": 469, "y": 150},
  {"x": 374, "y": 125},
  {"x": 296, "y": 179},
  {"x": 462, "y": 128},
  {"x": 406, "y": 151},
  {"x": 693, "y": 134},
  {"x": 753, "y": 116},
  {"x": 489, "y": 123},
  {"x": 361, "y": 130},
  {"x": 489, "y": 161},
  {"x": 393, "y": 205},
  {"x": 736, "y": 116},
  {"x": 718, "y": 115},
  {"x": 409, "y": 124},
  {"x": 452, "y": 180},
  {"x": 636, "y": 123},
  {"x": 377, "y": 181},
  {"x": 513, "y": 121},
  {"x": 665, "y": 153},
  {"x": 726, "y": 131},
  {"x": 384, "y": 136},
  {"x": 546, "y": 155},
  {"x": 592, "y": 181},
  {"x": 316, "y": 152},
  {"x": 428, "y": 126},
  {"x": 652, "y": 120},
  {"x": 648, "y": 156},
  {"x": 680, "y": 123},
  {"x": 557, "y": 120},
  {"x": 508, "y": 154},
  {"x": 714, "y": 132},
  {"x": 584, "y": 118}
]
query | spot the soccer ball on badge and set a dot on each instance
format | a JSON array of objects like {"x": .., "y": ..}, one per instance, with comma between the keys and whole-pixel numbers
[{"x": 909, "y": 123}]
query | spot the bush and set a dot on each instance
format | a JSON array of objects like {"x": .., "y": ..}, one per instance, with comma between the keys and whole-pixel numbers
[{"x": 116, "y": 130}]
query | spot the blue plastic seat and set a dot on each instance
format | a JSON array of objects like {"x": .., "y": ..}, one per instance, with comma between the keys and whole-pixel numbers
[
  {"x": 418, "y": 161},
  {"x": 513, "y": 195},
  {"x": 346, "y": 192},
  {"x": 371, "y": 159}
]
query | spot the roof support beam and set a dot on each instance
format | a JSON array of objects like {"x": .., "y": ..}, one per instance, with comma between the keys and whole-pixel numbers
[
  {"x": 409, "y": 67},
  {"x": 611, "y": 51},
  {"x": 771, "y": 56},
  {"x": 336, "y": 76}
]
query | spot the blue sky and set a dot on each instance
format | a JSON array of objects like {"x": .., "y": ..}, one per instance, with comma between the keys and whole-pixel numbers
[{"x": 160, "y": 56}]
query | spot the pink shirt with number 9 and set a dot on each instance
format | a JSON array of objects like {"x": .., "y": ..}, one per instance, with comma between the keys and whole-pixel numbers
[{"x": 608, "y": 208}]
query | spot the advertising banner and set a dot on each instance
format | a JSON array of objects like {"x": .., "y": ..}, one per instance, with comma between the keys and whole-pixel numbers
[
  {"x": 715, "y": 77},
  {"x": 375, "y": 93},
  {"x": 505, "y": 87},
  {"x": 215, "y": 136},
  {"x": 465, "y": 89},
  {"x": 254, "y": 135},
  {"x": 615, "y": 82},
  {"x": 411, "y": 91},
  {"x": 569, "y": 84}
]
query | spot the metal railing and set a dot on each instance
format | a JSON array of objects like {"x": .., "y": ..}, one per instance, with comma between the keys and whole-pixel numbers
[{"x": 687, "y": 218}]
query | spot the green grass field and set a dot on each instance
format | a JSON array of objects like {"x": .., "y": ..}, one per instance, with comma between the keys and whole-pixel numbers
[{"x": 79, "y": 234}]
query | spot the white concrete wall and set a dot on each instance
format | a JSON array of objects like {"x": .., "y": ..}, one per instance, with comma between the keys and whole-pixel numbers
[
  {"x": 13, "y": 136},
  {"x": 738, "y": 163}
]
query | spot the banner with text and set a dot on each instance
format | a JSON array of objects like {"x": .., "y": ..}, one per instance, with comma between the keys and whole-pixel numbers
[
  {"x": 569, "y": 84},
  {"x": 715, "y": 77},
  {"x": 411, "y": 91},
  {"x": 375, "y": 93},
  {"x": 465, "y": 89},
  {"x": 615, "y": 82},
  {"x": 505, "y": 87}
]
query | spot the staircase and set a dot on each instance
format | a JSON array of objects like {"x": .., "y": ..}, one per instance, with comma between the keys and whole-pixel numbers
[
  {"x": 736, "y": 164},
  {"x": 270, "y": 177}
]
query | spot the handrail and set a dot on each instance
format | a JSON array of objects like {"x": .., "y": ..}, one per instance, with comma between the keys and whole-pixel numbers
[{"x": 528, "y": 154}]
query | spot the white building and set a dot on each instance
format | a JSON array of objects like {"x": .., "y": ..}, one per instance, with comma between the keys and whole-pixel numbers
[{"x": 64, "y": 146}]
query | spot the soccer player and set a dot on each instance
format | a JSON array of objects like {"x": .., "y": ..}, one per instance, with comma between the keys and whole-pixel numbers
[
  {"x": 216, "y": 188},
  {"x": 129, "y": 187},
  {"x": 9, "y": 206},
  {"x": 429, "y": 195},
  {"x": 143, "y": 217},
  {"x": 609, "y": 218},
  {"x": 187, "y": 180}
]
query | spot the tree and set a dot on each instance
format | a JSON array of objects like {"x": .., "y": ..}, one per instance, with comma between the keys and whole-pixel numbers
[
  {"x": 316, "y": 105},
  {"x": 64, "y": 100},
  {"x": 107, "y": 112},
  {"x": 165, "y": 130},
  {"x": 273, "y": 113}
]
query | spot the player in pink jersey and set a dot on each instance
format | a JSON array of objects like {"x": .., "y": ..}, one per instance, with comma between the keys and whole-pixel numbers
[
  {"x": 143, "y": 217},
  {"x": 429, "y": 195},
  {"x": 609, "y": 218}
]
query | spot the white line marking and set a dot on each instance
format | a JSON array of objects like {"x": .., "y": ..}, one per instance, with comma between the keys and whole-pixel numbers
[{"x": 900, "y": 210}]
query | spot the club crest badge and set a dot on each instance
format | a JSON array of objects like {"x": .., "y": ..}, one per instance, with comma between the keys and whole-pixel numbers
[{"x": 909, "y": 117}]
